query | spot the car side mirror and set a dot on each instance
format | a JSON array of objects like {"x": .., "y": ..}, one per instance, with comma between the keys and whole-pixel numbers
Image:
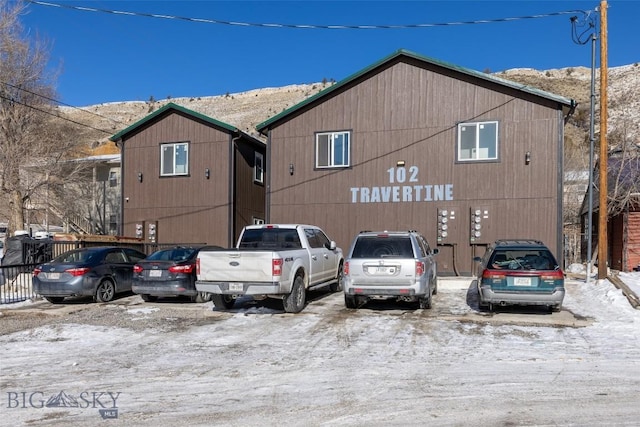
[
  {"x": 435, "y": 251},
  {"x": 332, "y": 245},
  {"x": 477, "y": 259}
]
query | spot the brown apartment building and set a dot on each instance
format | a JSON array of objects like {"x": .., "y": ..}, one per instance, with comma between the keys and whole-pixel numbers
[
  {"x": 188, "y": 178},
  {"x": 415, "y": 143}
]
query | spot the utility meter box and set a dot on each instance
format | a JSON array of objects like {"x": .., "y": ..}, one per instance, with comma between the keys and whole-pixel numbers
[
  {"x": 446, "y": 219},
  {"x": 479, "y": 219}
]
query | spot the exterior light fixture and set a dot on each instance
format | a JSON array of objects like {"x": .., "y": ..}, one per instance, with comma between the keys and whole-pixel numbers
[
  {"x": 400, "y": 163},
  {"x": 207, "y": 173},
  {"x": 291, "y": 168},
  {"x": 527, "y": 157},
  {"x": 139, "y": 176}
]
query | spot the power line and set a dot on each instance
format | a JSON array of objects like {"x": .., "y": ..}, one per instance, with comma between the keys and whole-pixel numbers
[
  {"x": 54, "y": 115},
  {"x": 302, "y": 26}
]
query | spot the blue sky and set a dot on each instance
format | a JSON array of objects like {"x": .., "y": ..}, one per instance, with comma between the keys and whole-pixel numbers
[{"x": 107, "y": 57}]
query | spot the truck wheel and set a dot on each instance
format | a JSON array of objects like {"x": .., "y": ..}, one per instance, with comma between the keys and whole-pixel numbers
[
  {"x": 350, "y": 301},
  {"x": 337, "y": 286},
  {"x": 223, "y": 302},
  {"x": 294, "y": 302}
]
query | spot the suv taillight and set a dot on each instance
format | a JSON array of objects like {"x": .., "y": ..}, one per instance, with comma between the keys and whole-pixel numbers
[
  {"x": 197, "y": 265},
  {"x": 419, "y": 268},
  {"x": 36, "y": 271},
  {"x": 276, "y": 267},
  {"x": 137, "y": 269},
  {"x": 492, "y": 274},
  {"x": 345, "y": 268}
]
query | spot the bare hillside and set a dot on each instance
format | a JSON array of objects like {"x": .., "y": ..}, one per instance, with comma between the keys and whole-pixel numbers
[
  {"x": 247, "y": 109},
  {"x": 243, "y": 110}
]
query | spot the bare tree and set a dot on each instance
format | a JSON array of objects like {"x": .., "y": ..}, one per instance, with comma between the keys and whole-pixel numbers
[
  {"x": 623, "y": 170},
  {"x": 34, "y": 142}
]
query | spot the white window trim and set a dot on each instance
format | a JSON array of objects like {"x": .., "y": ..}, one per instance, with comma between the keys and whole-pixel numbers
[
  {"x": 477, "y": 150},
  {"x": 330, "y": 156},
  {"x": 258, "y": 173},
  {"x": 174, "y": 144}
]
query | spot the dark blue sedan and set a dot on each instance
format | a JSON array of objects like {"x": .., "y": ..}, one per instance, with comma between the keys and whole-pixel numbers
[{"x": 100, "y": 272}]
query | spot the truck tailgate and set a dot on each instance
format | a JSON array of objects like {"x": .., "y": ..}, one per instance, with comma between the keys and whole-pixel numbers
[{"x": 235, "y": 266}]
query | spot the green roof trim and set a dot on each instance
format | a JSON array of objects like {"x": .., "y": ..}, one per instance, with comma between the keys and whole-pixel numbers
[
  {"x": 402, "y": 52},
  {"x": 171, "y": 106}
]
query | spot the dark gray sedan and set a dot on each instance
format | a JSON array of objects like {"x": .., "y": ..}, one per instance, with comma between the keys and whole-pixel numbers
[
  {"x": 100, "y": 272},
  {"x": 169, "y": 272}
]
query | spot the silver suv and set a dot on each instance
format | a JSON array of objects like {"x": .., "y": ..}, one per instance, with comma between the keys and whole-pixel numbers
[{"x": 397, "y": 265}]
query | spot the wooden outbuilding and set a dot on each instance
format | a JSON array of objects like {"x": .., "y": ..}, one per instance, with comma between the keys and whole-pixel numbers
[
  {"x": 188, "y": 178},
  {"x": 411, "y": 142},
  {"x": 623, "y": 222}
]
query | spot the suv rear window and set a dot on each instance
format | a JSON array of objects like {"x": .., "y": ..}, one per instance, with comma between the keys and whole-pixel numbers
[
  {"x": 525, "y": 259},
  {"x": 380, "y": 247}
]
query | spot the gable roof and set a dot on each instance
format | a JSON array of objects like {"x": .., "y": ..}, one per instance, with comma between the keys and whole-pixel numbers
[
  {"x": 178, "y": 108},
  {"x": 568, "y": 103}
]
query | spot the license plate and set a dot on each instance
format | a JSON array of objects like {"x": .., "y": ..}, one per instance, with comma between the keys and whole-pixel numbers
[
  {"x": 236, "y": 287},
  {"x": 522, "y": 281},
  {"x": 155, "y": 273},
  {"x": 53, "y": 276},
  {"x": 381, "y": 270}
]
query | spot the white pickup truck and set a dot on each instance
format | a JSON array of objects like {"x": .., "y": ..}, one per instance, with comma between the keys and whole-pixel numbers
[{"x": 271, "y": 260}]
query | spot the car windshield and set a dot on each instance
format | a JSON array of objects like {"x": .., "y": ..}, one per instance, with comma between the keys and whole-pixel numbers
[
  {"x": 382, "y": 247},
  {"x": 76, "y": 256},
  {"x": 526, "y": 259},
  {"x": 174, "y": 254}
]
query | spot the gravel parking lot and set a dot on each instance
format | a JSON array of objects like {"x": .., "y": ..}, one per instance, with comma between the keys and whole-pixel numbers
[{"x": 386, "y": 364}]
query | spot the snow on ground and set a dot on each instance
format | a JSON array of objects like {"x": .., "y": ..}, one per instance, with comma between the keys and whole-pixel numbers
[{"x": 327, "y": 366}]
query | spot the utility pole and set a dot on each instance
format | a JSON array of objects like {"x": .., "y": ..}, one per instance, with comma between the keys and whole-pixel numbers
[
  {"x": 604, "y": 155},
  {"x": 592, "y": 139}
]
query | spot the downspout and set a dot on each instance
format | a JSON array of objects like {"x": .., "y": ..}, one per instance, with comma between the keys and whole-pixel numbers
[
  {"x": 267, "y": 201},
  {"x": 120, "y": 229},
  {"x": 232, "y": 192},
  {"x": 560, "y": 249}
]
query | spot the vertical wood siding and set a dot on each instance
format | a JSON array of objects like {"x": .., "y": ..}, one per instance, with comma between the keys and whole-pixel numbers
[
  {"x": 617, "y": 237},
  {"x": 632, "y": 240},
  {"x": 410, "y": 113},
  {"x": 188, "y": 209},
  {"x": 249, "y": 196}
]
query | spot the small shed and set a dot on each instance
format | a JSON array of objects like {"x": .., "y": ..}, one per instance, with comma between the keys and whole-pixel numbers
[{"x": 623, "y": 222}]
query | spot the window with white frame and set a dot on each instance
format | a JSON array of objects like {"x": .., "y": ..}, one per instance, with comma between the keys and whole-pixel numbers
[
  {"x": 113, "y": 179},
  {"x": 333, "y": 149},
  {"x": 174, "y": 159},
  {"x": 258, "y": 168},
  {"x": 477, "y": 141}
]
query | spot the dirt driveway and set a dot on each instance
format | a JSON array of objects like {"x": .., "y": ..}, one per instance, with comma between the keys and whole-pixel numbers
[{"x": 456, "y": 301}]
